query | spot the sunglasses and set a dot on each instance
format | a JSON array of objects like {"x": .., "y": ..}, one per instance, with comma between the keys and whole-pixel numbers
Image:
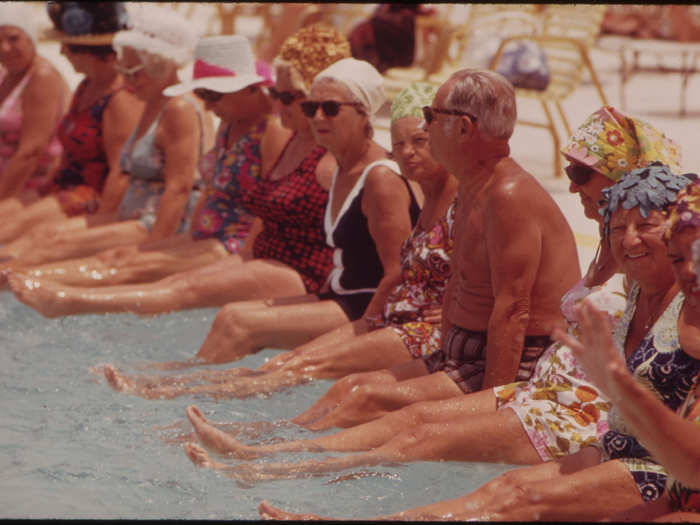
[
  {"x": 330, "y": 108},
  {"x": 207, "y": 95},
  {"x": 128, "y": 71},
  {"x": 578, "y": 173},
  {"x": 285, "y": 97},
  {"x": 430, "y": 114}
]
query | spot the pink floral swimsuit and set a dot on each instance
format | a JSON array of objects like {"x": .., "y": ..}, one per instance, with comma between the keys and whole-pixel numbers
[
  {"x": 425, "y": 270},
  {"x": 11, "y": 118},
  {"x": 228, "y": 174}
]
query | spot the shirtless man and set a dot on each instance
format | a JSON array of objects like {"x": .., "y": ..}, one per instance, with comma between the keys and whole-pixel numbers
[{"x": 514, "y": 258}]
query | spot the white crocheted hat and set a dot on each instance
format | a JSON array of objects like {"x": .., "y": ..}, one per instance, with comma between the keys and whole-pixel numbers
[
  {"x": 19, "y": 14},
  {"x": 224, "y": 64},
  {"x": 160, "y": 32},
  {"x": 361, "y": 78}
]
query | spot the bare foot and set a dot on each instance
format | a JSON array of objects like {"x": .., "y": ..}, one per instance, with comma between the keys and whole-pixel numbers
[
  {"x": 268, "y": 512},
  {"x": 119, "y": 382},
  {"x": 200, "y": 457},
  {"x": 46, "y": 297},
  {"x": 215, "y": 439}
]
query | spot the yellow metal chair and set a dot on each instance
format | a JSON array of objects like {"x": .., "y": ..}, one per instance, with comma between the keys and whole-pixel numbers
[{"x": 568, "y": 32}]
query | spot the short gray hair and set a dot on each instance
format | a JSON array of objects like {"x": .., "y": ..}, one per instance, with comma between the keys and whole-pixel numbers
[{"x": 488, "y": 96}]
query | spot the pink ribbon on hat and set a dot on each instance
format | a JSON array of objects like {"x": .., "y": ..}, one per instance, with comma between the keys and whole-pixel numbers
[{"x": 204, "y": 69}]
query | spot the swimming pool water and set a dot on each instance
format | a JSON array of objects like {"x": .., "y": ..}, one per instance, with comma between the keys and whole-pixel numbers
[{"x": 71, "y": 447}]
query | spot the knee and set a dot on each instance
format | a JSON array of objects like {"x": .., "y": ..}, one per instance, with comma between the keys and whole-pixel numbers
[
  {"x": 233, "y": 321},
  {"x": 415, "y": 413},
  {"x": 512, "y": 490}
]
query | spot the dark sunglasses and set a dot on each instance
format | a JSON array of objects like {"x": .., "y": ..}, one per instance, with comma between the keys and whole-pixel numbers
[
  {"x": 578, "y": 173},
  {"x": 207, "y": 95},
  {"x": 285, "y": 97},
  {"x": 330, "y": 108},
  {"x": 430, "y": 114}
]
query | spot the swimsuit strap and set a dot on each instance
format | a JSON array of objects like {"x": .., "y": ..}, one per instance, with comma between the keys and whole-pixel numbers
[{"x": 16, "y": 91}]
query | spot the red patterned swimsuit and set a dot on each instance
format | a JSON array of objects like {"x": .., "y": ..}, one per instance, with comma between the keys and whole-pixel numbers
[
  {"x": 80, "y": 179},
  {"x": 292, "y": 210}
]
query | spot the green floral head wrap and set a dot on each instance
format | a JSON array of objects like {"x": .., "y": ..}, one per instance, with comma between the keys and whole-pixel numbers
[{"x": 410, "y": 101}]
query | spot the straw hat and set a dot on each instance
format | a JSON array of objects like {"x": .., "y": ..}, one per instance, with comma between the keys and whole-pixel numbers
[
  {"x": 85, "y": 23},
  {"x": 224, "y": 64}
]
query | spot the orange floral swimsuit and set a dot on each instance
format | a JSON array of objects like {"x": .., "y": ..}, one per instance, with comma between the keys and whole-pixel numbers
[{"x": 561, "y": 411}]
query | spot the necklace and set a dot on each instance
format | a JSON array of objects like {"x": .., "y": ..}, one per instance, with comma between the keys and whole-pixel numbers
[{"x": 653, "y": 313}]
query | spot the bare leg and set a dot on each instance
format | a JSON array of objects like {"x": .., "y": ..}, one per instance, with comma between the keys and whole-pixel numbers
[
  {"x": 375, "y": 350},
  {"x": 227, "y": 280},
  {"x": 41, "y": 233},
  {"x": 372, "y": 400},
  {"x": 283, "y": 326},
  {"x": 572, "y": 488},
  {"x": 132, "y": 263},
  {"x": 268, "y": 512},
  {"x": 496, "y": 437},
  {"x": 144, "y": 382},
  {"x": 313, "y": 416},
  {"x": 339, "y": 335},
  {"x": 47, "y": 209},
  {"x": 75, "y": 242},
  {"x": 370, "y": 435}
]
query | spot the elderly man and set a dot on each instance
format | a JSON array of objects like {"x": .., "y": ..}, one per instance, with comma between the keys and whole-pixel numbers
[{"x": 514, "y": 258}]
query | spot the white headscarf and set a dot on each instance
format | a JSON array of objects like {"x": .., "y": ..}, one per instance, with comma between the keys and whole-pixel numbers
[
  {"x": 361, "y": 78},
  {"x": 19, "y": 14}
]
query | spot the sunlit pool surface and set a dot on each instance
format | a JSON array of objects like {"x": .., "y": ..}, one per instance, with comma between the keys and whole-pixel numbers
[{"x": 71, "y": 447}]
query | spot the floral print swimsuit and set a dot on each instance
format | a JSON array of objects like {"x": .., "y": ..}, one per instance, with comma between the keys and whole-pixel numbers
[
  {"x": 425, "y": 270},
  {"x": 661, "y": 365},
  {"x": 560, "y": 411},
  {"x": 229, "y": 173},
  {"x": 80, "y": 179}
]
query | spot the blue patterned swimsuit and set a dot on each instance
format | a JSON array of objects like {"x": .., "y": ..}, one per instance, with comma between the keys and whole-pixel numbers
[{"x": 661, "y": 365}]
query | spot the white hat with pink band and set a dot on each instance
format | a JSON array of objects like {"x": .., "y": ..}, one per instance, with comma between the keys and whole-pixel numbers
[{"x": 224, "y": 64}]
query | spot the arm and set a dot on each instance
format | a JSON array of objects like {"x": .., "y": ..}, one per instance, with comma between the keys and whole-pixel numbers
[
  {"x": 178, "y": 137},
  {"x": 513, "y": 243},
  {"x": 385, "y": 203},
  {"x": 247, "y": 251},
  {"x": 120, "y": 117},
  {"x": 41, "y": 102},
  {"x": 672, "y": 440}
]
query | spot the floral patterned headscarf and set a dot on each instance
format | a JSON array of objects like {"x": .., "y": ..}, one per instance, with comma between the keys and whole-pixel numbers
[
  {"x": 410, "y": 101},
  {"x": 686, "y": 210},
  {"x": 613, "y": 144}
]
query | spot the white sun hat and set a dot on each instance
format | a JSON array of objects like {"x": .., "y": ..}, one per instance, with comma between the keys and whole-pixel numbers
[
  {"x": 159, "y": 31},
  {"x": 19, "y": 14},
  {"x": 224, "y": 64}
]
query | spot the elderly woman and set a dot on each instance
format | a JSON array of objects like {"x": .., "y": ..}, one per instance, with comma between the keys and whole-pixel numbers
[
  {"x": 33, "y": 97},
  {"x": 670, "y": 437},
  {"x": 249, "y": 138},
  {"x": 102, "y": 114},
  {"x": 370, "y": 211},
  {"x": 617, "y": 473},
  {"x": 408, "y": 327},
  {"x": 160, "y": 156}
]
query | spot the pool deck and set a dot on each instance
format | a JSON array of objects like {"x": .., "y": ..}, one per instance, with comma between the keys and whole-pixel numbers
[{"x": 653, "y": 97}]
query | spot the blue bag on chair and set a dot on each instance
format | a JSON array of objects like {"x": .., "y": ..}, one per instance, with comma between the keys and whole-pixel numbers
[{"x": 524, "y": 63}]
